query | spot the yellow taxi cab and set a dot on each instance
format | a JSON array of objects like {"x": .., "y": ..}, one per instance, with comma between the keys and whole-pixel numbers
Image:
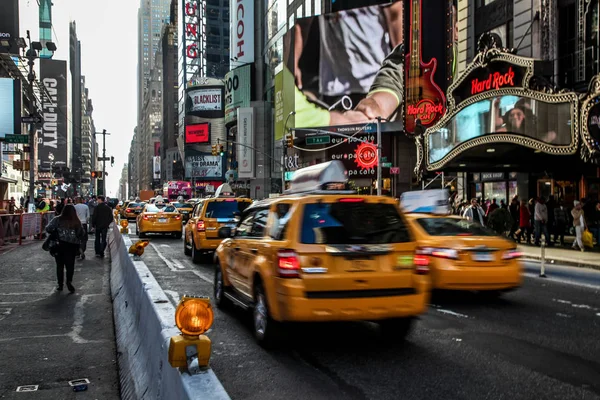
[
  {"x": 201, "y": 233},
  {"x": 132, "y": 210},
  {"x": 185, "y": 208},
  {"x": 322, "y": 253},
  {"x": 123, "y": 208},
  {"x": 464, "y": 255},
  {"x": 159, "y": 218}
]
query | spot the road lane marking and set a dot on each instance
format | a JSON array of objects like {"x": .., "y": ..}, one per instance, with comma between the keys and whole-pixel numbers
[
  {"x": 202, "y": 276},
  {"x": 449, "y": 312},
  {"x": 78, "y": 317},
  {"x": 4, "y": 312},
  {"x": 174, "y": 295},
  {"x": 562, "y": 315},
  {"x": 169, "y": 263},
  {"x": 178, "y": 264},
  {"x": 562, "y": 301}
]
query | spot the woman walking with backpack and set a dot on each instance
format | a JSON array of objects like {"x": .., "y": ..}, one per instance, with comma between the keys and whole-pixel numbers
[{"x": 67, "y": 229}]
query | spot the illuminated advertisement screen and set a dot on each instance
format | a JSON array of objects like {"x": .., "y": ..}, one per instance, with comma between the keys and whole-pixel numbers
[
  {"x": 10, "y": 107},
  {"x": 330, "y": 63},
  {"x": 197, "y": 133},
  {"x": 545, "y": 122},
  {"x": 428, "y": 41}
]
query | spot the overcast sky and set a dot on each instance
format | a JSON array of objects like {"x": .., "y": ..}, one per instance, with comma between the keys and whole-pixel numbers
[{"x": 107, "y": 30}]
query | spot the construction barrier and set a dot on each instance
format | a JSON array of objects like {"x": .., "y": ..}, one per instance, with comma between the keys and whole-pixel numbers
[
  {"x": 144, "y": 323},
  {"x": 16, "y": 227}
]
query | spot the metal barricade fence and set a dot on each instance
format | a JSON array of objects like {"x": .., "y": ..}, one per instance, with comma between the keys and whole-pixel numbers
[
  {"x": 16, "y": 227},
  {"x": 10, "y": 225}
]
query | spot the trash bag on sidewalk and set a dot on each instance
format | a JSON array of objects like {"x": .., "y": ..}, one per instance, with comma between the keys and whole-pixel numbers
[{"x": 587, "y": 238}]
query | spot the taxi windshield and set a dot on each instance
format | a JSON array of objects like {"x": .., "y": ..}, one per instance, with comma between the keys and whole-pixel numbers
[
  {"x": 453, "y": 227},
  {"x": 225, "y": 209},
  {"x": 353, "y": 223},
  {"x": 183, "y": 205},
  {"x": 160, "y": 207}
]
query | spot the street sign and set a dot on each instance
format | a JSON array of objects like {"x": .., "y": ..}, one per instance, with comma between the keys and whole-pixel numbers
[
  {"x": 21, "y": 139},
  {"x": 386, "y": 165},
  {"x": 31, "y": 119},
  {"x": 383, "y": 159},
  {"x": 395, "y": 170},
  {"x": 318, "y": 139},
  {"x": 103, "y": 158}
]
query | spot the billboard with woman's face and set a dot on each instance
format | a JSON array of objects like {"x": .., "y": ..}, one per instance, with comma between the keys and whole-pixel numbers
[{"x": 540, "y": 121}]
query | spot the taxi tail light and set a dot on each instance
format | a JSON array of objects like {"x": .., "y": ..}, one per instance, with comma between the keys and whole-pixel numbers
[
  {"x": 511, "y": 255},
  {"x": 288, "y": 263},
  {"x": 128, "y": 210},
  {"x": 200, "y": 226},
  {"x": 177, "y": 217},
  {"x": 145, "y": 217},
  {"x": 449, "y": 254}
]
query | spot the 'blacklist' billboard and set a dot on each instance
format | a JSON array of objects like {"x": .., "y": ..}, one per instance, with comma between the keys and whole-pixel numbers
[
  {"x": 9, "y": 24},
  {"x": 52, "y": 141}
]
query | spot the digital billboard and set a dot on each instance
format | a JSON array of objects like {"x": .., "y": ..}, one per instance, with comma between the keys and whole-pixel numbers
[
  {"x": 10, "y": 107},
  {"x": 204, "y": 101},
  {"x": 333, "y": 70},
  {"x": 197, "y": 133},
  {"x": 549, "y": 123},
  {"x": 237, "y": 91},
  {"x": 427, "y": 58},
  {"x": 9, "y": 24},
  {"x": 52, "y": 143},
  {"x": 203, "y": 166}
]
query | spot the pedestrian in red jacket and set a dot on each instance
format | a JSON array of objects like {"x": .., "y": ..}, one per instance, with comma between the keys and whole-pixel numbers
[{"x": 524, "y": 223}]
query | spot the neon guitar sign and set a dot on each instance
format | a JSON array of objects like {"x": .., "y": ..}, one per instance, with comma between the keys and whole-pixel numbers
[{"x": 424, "y": 101}]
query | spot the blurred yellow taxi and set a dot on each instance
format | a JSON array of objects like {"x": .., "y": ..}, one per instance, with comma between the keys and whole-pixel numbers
[
  {"x": 159, "y": 218},
  {"x": 464, "y": 255},
  {"x": 184, "y": 208},
  {"x": 132, "y": 210},
  {"x": 201, "y": 236},
  {"x": 320, "y": 252}
]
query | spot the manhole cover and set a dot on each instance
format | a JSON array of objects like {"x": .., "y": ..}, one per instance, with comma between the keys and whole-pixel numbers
[{"x": 27, "y": 388}]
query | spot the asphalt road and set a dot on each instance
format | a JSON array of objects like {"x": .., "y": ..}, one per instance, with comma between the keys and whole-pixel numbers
[{"x": 538, "y": 342}]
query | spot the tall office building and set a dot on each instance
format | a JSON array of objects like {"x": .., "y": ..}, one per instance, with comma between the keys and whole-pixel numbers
[{"x": 76, "y": 96}]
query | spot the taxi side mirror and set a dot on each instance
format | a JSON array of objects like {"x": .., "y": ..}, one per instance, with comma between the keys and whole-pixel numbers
[{"x": 225, "y": 232}]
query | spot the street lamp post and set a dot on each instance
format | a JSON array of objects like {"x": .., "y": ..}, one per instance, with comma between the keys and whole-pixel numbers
[{"x": 379, "y": 181}]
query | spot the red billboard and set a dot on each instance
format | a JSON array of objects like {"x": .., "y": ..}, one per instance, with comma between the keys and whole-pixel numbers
[{"x": 197, "y": 133}]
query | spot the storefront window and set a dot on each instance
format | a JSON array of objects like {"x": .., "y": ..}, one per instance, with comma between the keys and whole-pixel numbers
[
  {"x": 512, "y": 190},
  {"x": 495, "y": 190}
]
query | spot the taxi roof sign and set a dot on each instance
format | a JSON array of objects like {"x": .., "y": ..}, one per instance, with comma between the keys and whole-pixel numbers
[
  {"x": 431, "y": 201},
  {"x": 224, "y": 191},
  {"x": 324, "y": 177}
]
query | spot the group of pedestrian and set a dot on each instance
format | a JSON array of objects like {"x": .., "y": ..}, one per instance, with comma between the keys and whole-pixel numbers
[
  {"x": 536, "y": 217},
  {"x": 70, "y": 230}
]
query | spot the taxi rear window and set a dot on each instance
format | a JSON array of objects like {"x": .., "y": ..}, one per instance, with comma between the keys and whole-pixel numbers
[
  {"x": 183, "y": 205},
  {"x": 225, "y": 209},
  {"x": 133, "y": 205},
  {"x": 453, "y": 227},
  {"x": 353, "y": 223},
  {"x": 157, "y": 208}
]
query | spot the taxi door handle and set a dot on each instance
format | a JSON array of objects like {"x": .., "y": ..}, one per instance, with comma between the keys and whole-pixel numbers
[
  {"x": 237, "y": 249},
  {"x": 254, "y": 251}
]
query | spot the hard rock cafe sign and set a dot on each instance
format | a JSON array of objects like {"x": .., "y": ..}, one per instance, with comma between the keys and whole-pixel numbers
[{"x": 495, "y": 80}]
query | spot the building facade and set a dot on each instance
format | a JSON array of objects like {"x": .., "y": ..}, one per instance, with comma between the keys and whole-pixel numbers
[{"x": 77, "y": 96}]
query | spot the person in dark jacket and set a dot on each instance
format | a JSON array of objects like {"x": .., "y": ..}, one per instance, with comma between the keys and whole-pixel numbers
[
  {"x": 69, "y": 232},
  {"x": 101, "y": 220},
  {"x": 514, "y": 213},
  {"x": 560, "y": 222}
]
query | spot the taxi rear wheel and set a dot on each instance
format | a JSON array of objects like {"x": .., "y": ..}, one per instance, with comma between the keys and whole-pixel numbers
[
  {"x": 197, "y": 256},
  {"x": 221, "y": 300},
  {"x": 186, "y": 250},
  {"x": 395, "y": 330},
  {"x": 265, "y": 328}
]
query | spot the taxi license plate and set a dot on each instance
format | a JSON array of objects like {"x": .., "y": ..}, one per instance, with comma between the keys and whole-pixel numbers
[
  {"x": 484, "y": 257},
  {"x": 360, "y": 266},
  {"x": 162, "y": 220}
]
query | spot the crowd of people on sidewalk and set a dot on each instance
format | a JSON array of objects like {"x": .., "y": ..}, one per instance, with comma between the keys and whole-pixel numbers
[
  {"x": 528, "y": 221},
  {"x": 68, "y": 232}
]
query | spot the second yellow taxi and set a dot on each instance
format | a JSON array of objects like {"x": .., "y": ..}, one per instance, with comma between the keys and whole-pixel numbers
[
  {"x": 159, "y": 218},
  {"x": 464, "y": 255}
]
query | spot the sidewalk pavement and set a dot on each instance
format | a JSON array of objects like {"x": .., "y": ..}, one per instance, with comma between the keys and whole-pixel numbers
[
  {"x": 48, "y": 338},
  {"x": 564, "y": 255}
]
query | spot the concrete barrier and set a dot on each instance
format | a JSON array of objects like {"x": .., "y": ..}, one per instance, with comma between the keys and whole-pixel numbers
[{"x": 144, "y": 323}]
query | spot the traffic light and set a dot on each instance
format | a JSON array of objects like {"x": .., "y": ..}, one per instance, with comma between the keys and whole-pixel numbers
[
  {"x": 112, "y": 161},
  {"x": 289, "y": 140},
  {"x": 221, "y": 150},
  {"x": 214, "y": 150},
  {"x": 94, "y": 174}
]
